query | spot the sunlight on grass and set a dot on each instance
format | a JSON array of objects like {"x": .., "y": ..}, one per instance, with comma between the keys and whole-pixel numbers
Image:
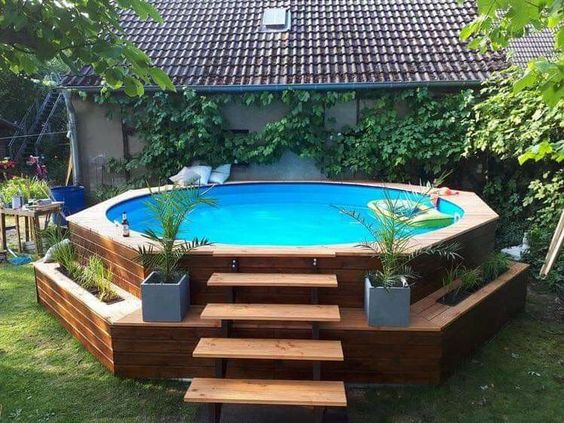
[{"x": 47, "y": 376}]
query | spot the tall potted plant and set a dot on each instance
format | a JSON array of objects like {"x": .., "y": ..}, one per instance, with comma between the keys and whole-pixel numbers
[
  {"x": 165, "y": 293},
  {"x": 387, "y": 291}
]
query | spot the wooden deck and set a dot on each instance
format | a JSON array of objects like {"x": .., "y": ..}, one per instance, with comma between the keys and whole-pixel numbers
[
  {"x": 436, "y": 341},
  {"x": 92, "y": 233},
  {"x": 288, "y": 280}
]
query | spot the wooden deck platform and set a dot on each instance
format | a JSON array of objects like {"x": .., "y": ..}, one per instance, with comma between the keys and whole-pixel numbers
[
  {"x": 92, "y": 233},
  {"x": 436, "y": 341}
]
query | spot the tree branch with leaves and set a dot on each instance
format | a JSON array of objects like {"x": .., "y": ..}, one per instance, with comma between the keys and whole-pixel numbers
[
  {"x": 499, "y": 22},
  {"x": 79, "y": 34}
]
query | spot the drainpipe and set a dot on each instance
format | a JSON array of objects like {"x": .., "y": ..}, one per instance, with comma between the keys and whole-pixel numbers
[
  {"x": 345, "y": 86},
  {"x": 73, "y": 137}
]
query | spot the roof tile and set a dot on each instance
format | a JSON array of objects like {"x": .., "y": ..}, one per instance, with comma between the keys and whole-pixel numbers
[{"x": 218, "y": 43}]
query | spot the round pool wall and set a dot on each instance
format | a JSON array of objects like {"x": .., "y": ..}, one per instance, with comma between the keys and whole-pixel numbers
[{"x": 277, "y": 214}]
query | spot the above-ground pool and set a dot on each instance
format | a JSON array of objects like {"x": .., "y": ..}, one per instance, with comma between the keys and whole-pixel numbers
[{"x": 278, "y": 214}]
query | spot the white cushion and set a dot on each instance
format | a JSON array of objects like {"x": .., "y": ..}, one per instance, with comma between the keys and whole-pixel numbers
[
  {"x": 220, "y": 174},
  {"x": 203, "y": 172},
  {"x": 185, "y": 177}
]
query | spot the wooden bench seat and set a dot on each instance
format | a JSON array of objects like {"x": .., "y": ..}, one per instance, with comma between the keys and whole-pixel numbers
[
  {"x": 269, "y": 349},
  {"x": 296, "y": 280},
  {"x": 272, "y": 312},
  {"x": 274, "y": 392}
]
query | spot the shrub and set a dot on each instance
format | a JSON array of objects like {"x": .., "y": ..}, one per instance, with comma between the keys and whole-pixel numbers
[
  {"x": 495, "y": 265},
  {"x": 392, "y": 244},
  {"x": 471, "y": 279},
  {"x": 96, "y": 276},
  {"x": 30, "y": 188},
  {"x": 53, "y": 234},
  {"x": 170, "y": 208},
  {"x": 104, "y": 192},
  {"x": 528, "y": 197},
  {"x": 65, "y": 255}
]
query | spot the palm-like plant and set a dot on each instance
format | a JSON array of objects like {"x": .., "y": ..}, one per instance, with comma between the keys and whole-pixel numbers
[
  {"x": 170, "y": 207},
  {"x": 392, "y": 244}
]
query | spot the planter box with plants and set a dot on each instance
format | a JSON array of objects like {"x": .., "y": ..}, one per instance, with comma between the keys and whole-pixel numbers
[
  {"x": 387, "y": 291},
  {"x": 94, "y": 277},
  {"x": 461, "y": 282},
  {"x": 165, "y": 293}
]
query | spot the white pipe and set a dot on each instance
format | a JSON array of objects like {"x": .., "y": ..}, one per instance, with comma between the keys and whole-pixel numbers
[
  {"x": 73, "y": 138},
  {"x": 554, "y": 249}
]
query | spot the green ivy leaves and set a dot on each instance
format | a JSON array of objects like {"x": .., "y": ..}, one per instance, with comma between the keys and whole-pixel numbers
[{"x": 404, "y": 135}]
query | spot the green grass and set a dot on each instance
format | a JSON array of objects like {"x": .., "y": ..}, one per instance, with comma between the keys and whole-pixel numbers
[{"x": 46, "y": 375}]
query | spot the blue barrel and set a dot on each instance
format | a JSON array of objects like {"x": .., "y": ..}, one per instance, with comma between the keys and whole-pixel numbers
[{"x": 73, "y": 198}]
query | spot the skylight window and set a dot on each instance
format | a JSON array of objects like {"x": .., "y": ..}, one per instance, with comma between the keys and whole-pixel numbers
[{"x": 276, "y": 20}]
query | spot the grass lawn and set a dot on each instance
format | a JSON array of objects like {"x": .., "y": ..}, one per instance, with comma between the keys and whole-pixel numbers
[{"x": 46, "y": 376}]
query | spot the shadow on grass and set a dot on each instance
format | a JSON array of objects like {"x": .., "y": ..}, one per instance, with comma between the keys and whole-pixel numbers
[{"x": 46, "y": 375}]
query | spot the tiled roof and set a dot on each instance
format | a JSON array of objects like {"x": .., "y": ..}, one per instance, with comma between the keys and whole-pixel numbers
[
  {"x": 219, "y": 43},
  {"x": 540, "y": 44}
]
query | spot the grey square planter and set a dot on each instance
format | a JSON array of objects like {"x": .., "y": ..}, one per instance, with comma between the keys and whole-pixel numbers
[
  {"x": 164, "y": 302},
  {"x": 386, "y": 306}
]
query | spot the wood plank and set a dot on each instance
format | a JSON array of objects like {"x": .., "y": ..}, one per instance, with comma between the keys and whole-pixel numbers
[
  {"x": 84, "y": 340},
  {"x": 269, "y": 349},
  {"x": 355, "y": 319},
  {"x": 275, "y": 392},
  {"x": 313, "y": 252},
  {"x": 191, "y": 320},
  {"x": 454, "y": 312},
  {"x": 272, "y": 312},
  {"x": 305, "y": 280},
  {"x": 433, "y": 311},
  {"x": 95, "y": 335},
  {"x": 431, "y": 299}
]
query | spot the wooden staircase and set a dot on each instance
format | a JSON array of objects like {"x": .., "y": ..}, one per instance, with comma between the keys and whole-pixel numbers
[{"x": 311, "y": 393}]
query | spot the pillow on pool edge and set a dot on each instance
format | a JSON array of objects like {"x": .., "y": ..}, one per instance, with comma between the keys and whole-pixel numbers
[
  {"x": 185, "y": 177},
  {"x": 220, "y": 174},
  {"x": 202, "y": 174}
]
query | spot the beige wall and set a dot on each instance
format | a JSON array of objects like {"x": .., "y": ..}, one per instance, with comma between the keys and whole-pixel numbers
[
  {"x": 252, "y": 119},
  {"x": 100, "y": 138}
]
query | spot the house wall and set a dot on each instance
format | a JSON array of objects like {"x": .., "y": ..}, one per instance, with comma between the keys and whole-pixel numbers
[{"x": 100, "y": 139}]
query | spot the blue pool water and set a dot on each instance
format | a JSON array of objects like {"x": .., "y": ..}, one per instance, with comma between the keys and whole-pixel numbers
[{"x": 284, "y": 214}]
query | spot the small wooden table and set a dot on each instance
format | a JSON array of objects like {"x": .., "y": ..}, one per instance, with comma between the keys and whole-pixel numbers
[{"x": 31, "y": 222}]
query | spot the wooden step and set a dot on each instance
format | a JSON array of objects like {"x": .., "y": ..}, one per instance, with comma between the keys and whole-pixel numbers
[
  {"x": 275, "y": 392},
  {"x": 295, "y": 280},
  {"x": 269, "y": 349},
  {"x": 272, "y": 312}
]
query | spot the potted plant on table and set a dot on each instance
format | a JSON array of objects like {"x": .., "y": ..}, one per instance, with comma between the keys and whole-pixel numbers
[
  {"x": 165, "y": 293},
  {"x": 387, "y": 291}
]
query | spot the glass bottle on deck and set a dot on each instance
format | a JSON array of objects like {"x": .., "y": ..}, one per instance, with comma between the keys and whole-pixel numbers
[{"x": 124, "y": 225}]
